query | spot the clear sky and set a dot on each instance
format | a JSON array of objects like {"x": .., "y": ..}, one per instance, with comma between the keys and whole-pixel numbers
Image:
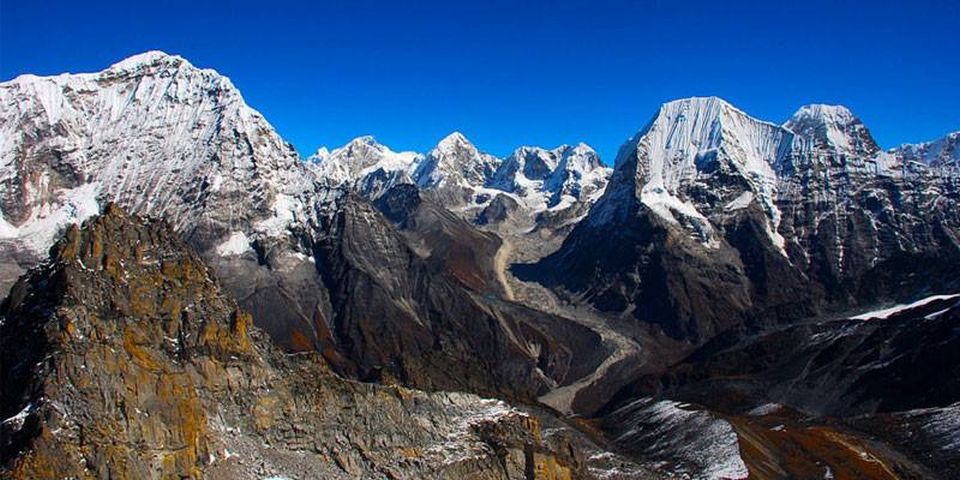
[{"x": 507, "y": 73}]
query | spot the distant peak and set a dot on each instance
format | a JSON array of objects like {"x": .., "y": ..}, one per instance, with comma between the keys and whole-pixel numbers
[
  {"x": 151, "y": 57},
  {"x": 364, "y": 140},
  {"x": 321, "y": 155},
  {"x": 832, "y": 127},
  {"x": 582, "y": 149},
  {"x": 835, "y": 114},
  {"x": 455, "y": 138},
  {"x": 581, "y": 156}
]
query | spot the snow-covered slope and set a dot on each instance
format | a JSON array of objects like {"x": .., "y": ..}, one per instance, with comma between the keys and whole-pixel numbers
[
  {"x": 703, "y": 143},
  {"x": 832, "y": 127},
  {"x": 363, "y": 163},
  {"x": 554, "y": 179},
  {"x": 940, "y": 153},
  {"x": 162, "y": 138},
  {"x": 153, "y": 133}
]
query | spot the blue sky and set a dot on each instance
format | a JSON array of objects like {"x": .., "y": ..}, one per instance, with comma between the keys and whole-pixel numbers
[{"x": 507, "y": 73}]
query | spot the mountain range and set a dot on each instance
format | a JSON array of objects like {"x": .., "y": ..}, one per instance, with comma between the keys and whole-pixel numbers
[{"x": 670, "y": 316}]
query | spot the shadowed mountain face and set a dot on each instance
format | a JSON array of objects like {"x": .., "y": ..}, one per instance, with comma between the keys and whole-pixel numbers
[
  {"x": 844, "y": 367},
  {"x": 888, "y": 381},
  {"x": 417, "y": 319},
  {"x": 712, "y": 218},
  {"x": 123, "y": 358}
]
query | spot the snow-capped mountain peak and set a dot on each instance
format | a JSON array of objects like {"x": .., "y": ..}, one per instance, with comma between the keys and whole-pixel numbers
[
  {"x": 455, "y": 161},
  {"x": 361, "y": 157},
  {"x": 941, "y": 153},
  {"x": 152, "y": 57},
  {"x": 463, "y": 176},
  {"x": 537, "y": 163},
  {"x": 321, "y": 155},
  {"x": 688, "y": 135},
  {"x": 694, "y": 140},
  {"x": 836, "y": 114},
  {"x": 832, "y": 128},
  {"x": 581, "y": 157},
  {"x": 152, "y": 132},
  {"x": 454, "y": 140}
]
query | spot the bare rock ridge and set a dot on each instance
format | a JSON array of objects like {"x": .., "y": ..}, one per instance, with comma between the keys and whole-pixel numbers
[{"x": 122, "y": 357}]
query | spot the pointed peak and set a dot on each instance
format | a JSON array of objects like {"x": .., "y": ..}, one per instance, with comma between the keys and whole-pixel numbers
[
  {"x": 832, "y": 127},
  {"x": 584, "y": 149},
  {"x": 152, "y": 57},
  {"x": 454, "y": 138},
  {"x": 581, "y": 157},
  {"x": 364, "y": 140},
  {"x": 834, "y": 114},
  {"x": 455, "y": 144}
]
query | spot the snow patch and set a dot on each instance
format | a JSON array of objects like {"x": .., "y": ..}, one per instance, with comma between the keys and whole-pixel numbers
[
  {"x": 741, "y": 202},
  {"x": 16, "y": 422},
  {"x": 706, "y": 446},
  {"x": 236, "y": 244},
  {"x": 48, "y": 220},
  {"x": 887, "y": 312}
]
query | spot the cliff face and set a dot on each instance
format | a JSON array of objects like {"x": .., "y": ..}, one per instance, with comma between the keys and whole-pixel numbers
[{"x": 123, "y": 358}]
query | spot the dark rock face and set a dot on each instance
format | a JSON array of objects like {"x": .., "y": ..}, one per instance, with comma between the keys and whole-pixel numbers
[
  {"x": 400, "y": 316},
  {"x": 498, "y": 210},
  {"x": 841, "y": 368},
  {"x": 399, "y": 203},
  {"x": 123, "y": 358},
  {"x": 809, "y": 395},
  {"x": 449, "y": 244},
  {"x": 642, "y": 270}
]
